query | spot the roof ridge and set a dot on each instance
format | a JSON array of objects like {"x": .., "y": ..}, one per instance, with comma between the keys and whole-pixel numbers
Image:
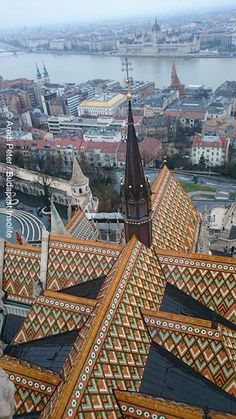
[
  {"x": 178, "y": 317},
  {"x": 27, "y": 369}
]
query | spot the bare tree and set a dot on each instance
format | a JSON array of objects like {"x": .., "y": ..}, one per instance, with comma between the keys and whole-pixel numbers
[{"x": 45, "y": 182}]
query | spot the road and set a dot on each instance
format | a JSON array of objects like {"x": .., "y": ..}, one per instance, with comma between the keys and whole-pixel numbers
[
  {"x": 218, "y": 183},
  {"x": 222, "y": 186}
]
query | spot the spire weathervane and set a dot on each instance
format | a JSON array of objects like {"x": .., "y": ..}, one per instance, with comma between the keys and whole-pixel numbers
[{"x": 127, "y": 67}]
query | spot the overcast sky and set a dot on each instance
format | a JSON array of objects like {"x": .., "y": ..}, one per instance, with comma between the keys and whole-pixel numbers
[{"x": 35, "y": 12}]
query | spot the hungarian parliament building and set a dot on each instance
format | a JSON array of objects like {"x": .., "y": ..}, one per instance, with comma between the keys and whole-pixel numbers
[{"x": 157, "y": 42}]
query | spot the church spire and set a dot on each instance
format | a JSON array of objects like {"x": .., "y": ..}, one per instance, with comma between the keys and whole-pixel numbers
[
  {"x": 39, "y": 76},
  {"x": 135, "y": 189},
  {"x": 175, "y": 81},
  {"x": 45, "y": 74}
]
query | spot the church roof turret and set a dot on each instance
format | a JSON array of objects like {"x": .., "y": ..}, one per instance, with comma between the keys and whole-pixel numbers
[{"x": 78, "y": 178}]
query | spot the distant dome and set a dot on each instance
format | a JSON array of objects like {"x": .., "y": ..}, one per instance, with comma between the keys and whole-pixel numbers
[{"x": 156, "y": 27}]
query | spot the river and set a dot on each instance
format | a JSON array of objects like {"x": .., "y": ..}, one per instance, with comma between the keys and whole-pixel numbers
[{"x": 79, "y": 68}]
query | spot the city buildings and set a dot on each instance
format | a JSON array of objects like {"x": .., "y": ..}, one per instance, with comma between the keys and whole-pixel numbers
[
  {"x": 99, "y": 105},
  {"x": 21, "y": 83},
  {"x": 220, "y": 126},
  {"x": 191, "y": 113},
  {"x": 213, "y": 149},
  {"x": 158, "y": 102},
  {"x": 219, "y": 107},
  {"x": 72, "y": 100},
  {"x": 140, "y": 88},
  {"x": 197, "y": 91},
  {"x": 97, "y": 128},
  {"x": 228, "y": 90}
]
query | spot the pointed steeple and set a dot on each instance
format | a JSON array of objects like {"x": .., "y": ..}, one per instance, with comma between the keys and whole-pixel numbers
[
  {"x": 45, "y": 74},
  {"x": 175, "y": 81},
  {"x": 78, "y": 178},
  {"x": 134, "y": 175},
  {"x": 57, "y": 226},
  {"x": 135, "y": 190},
  {"x": 39, "y": 76}
]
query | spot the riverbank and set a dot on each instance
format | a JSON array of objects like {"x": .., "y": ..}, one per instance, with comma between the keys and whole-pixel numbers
[{"x": 117, "y": 54}]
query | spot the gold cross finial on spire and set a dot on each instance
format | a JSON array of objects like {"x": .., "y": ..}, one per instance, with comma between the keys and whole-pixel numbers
[{"x": 127, "y": 67}]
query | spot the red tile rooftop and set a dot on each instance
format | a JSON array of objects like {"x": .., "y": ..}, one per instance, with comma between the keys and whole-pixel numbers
[
  {"x": 210, "y": 141},
  {"x": 185, "y": 114},
  {"x": 103, "y": 146}
]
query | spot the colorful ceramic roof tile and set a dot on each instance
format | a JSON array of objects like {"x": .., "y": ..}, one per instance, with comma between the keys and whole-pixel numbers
[
  {"x": 208, "y": 279},
  {"x": 21, "y": 269},
  {"x": 229, "y": 340},
  {"x": 116, "y": 345},
  {"x": 175, "y": 221},
  {"x": 135, "y": 405},
  {"x": 110, "y": 350},
  {"x": 195, "y": 343},
  {"x": 80, "y": 227},
  {"x": 71, "y": 261},
  {"x": 21, "y": 300},
  {"x": 54, "y": 313},
  {"x": 34, "y": 385}
]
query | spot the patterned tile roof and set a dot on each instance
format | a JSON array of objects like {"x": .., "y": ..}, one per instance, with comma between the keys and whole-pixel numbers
[
  {"x": 115, "y": 347},
  {"x": 54, "y": 313},
  {"x": 34, "y": 385},
  {"x": 135, "y": 405},
  {"x": 210, "y": 280},
  {"x": 21, "y": 300},
  {"x": 21, "y": 269},
  {"x": 80, "y": 227},
  {"x": 71, "y": 261},
  {"x": 111, "y": 348},
  {"x": 175, "y": 221},
  {"x": 197, "y": 344}
]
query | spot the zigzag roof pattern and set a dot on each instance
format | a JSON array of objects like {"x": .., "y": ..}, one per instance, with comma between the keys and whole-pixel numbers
[
  {"x": 81, "y": 228},
  {"x": 171, "y": 207},
  {"x": 136, "y": 405},
  {"x": 111, "y": 348},
  {"x": 34, "y": 385},
  {"x": 175, "y": 221},
  {"x": 114, "y": 353},
  {"x": 21, "y": 269},
  {"x": 196, "y": 343},
  {"x": 71, "y": 261},
  {"x": 208, "y": 279},
  {"x": 54, "y": 313}
]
